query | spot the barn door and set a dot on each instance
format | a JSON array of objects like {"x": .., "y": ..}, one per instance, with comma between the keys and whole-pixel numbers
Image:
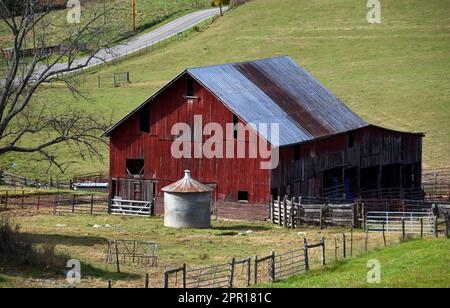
[{"x": 137, "y": 190}]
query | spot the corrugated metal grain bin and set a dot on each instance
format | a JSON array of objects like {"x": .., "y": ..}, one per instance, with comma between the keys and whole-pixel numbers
[{"x": 187, "y": 204}]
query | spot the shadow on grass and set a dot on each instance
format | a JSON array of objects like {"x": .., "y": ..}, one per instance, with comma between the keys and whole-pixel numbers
[
  {"x": 66, "y": 240},
  {"x": 241, "y": 228}
]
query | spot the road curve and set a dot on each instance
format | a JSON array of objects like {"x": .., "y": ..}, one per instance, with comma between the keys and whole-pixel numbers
[{"x": 139, "y": 42}]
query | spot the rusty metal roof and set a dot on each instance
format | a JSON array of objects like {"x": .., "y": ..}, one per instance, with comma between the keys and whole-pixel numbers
[
  {"x": 274, "y": 90},
  {"x": 187, "y": 185},
  {"x": 278, "y": 90}
]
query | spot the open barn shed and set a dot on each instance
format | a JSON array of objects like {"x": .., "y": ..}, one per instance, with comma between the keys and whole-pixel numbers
[{"x": 325, "y": 149}]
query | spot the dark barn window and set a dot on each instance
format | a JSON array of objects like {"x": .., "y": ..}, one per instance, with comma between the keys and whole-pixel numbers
[
  {"x": 351, "y": 139},
  {"x": 190, "y": 91},
  {"x": 243, "y": 196},
  {"x": 135, "y": 167},
  {"x": 145, "y": 120},
  {"x": 297, "y": 153}
]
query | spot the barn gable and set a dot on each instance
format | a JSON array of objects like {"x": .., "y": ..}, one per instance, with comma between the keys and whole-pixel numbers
[{"x": 274, "y": 90}]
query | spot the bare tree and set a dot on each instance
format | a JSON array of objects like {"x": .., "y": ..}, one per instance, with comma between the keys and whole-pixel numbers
[{"x": 28, "y": 125}]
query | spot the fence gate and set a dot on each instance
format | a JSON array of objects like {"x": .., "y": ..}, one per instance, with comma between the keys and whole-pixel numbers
[
  {"x": 408, "y": 222},
  {"x": 132, "y": 207}
]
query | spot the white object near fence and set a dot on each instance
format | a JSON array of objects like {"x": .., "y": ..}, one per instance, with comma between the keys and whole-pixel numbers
[
  {"x": 399, "y": 222},
  {"x": 132, "y": 207}
]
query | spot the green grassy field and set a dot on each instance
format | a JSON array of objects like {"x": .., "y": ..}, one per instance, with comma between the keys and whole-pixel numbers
[
  {"x": 414, "y": 264},
  {"x": 76, "y": 237},
  {"x": 395, "y": 74}
]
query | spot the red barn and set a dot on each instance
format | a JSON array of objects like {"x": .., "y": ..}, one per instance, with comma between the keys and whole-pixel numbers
[{"x": 325, "y": 149}]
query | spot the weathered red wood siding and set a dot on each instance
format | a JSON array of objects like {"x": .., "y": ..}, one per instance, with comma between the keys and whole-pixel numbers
[
  {"x": 372, "y": 147},
  {"x": 170, "y": 107}
]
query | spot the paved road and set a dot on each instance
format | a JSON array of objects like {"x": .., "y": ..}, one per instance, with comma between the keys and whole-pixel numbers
[{"x": 142, "y": 41}]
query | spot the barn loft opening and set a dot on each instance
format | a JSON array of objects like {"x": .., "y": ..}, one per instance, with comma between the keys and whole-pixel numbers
[
  {"x": 190, "y": 90},
  {"x": 135, "y": 167},
  {"x": 145, "y": 120},
  {"x": 242, "y": 196}
]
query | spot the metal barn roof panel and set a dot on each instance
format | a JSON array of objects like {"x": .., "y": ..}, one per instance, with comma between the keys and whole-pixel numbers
[{"x": 277, "y": 90}]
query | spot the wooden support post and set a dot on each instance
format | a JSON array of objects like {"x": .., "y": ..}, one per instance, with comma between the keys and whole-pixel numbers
[
  {"x": 305, "y": 245},
  {"x": 232, "y": 264},
  {"x": 55, "y": 204},
  {"x": 344, "y": 246},
  {"x": 147, "y": 280},
  {"x": 285, "y": 222},
  {"x": 436, "y": 230},
  {"x": 421, "y": 228},
  {"x": 249, "y": 272},
  {"x": 272, "y": 209},
  {"x": 366, "y": 244},
  {"x": 279, "y": 211},
  {"x": 335, "y": 249},
  {"x": 92, "y": 204},
  {"x": 321, "y": 217},
  {"x": 351, "y": 243},
  {"x": 73, "y": 204},
  {"x": 272, "y": 267},
  {"x": 255, "y": 270},
  {"x": 291, "y": 214},
  {"x": 166, "y": 280},
  {"x": 324, "y": 263},
  {"x": 384, "y": 234},
  {"x": 38, "y": 201},
  {"x": 403, "y": 230},
  {"x": 447, "y": 225},
  {"x": 117, "y": 258},
  {"x": 184, "y": 275}
]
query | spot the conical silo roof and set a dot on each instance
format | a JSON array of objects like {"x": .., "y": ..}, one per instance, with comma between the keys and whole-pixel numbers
[{"x": 187, "y": 185}]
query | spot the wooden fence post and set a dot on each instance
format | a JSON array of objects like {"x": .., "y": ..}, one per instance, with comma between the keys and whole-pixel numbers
[
  {"x": 436, "y": 230},
  {"x": 117, "y": 258},
  {"x": 109, "y": 284},
  {"x": 291, "y": 214},
  {"x": 272, "y": 209},
  {"x": 366, "y": 244},
  {"x": 23, "y": 198},
  {"x": 166, "y": 280},
  {"x": 285, "y": 222},
  {"x": 421, "y": 228},
  {"x": 447, "y": 225},
  {"x": 335, "y": 249},
  {"x": 351, "y": 242},
  {"x": 184, "y": 275},
  {"x": 344, "y": 246},
  {"x": 232, "y": 264},
  {"x": 403, "y": 229},
  {"x": 249, "y": 272},
  {"x": 384, "y": 233},
  {"x": 55, "y": 204},
  {"x": 147, "y": 280},
  {"x": 38, "y": 201},
  {"x": 73, "y": 203},
  {"x": 92, "y": 204},
  {"x": 324, "y": 263},
  {"x": 272, "y": 267},
  {"x": 255, "y": 269},
  {"x": 279, "y": 211},
  {"x": 305, "y": 245}
]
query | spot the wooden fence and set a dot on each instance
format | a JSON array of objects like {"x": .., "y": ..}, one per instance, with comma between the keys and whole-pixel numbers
[
  {"x": 56, "y": 203},
  {"x": 279, "y": 267},
  {"x": 293, "y": 213}
]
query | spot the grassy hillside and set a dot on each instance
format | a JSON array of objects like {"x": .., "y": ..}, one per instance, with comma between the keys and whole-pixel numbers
[
  {"x": 118, "y": 18},
  {"x": 395, "y": 74},
  {"x": 413, "y": 264}
]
